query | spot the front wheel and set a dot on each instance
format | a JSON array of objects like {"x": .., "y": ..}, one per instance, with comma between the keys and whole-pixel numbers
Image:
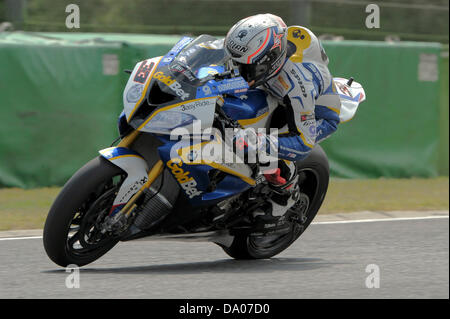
[
  {"x": 71, "y": 233},
  {"x": 313, "y": 173}
]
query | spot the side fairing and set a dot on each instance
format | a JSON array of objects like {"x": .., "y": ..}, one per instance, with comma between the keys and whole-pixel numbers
[
  {"x": 181, "y": 115},
  {"x": 191, "y": 164}
]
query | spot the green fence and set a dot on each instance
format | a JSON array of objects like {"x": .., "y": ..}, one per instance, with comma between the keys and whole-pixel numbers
[
  {"x": 60, "y": 95},
  {"x": 444, "y": 154},
  {"x": 396, "y": 132}
]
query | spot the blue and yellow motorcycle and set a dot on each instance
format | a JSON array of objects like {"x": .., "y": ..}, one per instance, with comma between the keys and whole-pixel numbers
[{"x": 161, "y": 185}]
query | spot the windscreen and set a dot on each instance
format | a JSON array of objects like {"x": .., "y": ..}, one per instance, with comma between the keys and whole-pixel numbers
[{"x": 204, "y": 51}]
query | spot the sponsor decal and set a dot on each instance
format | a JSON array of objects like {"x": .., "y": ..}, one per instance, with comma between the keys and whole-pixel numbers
[
  {"x": 306, "y": 117},
  {"x": 236, "y": 84},
  {"x": 242, "y": 34},
  {"x": 240, "y": 91},
  {"x": 143, "y": 72},
  {"x": 309, "y": 123},
  {"x": 187, "y": 183},
  {"x": 300, "y": 82},
  {"x": 233, "y": 46},
  {"x": 277, "y": 88},
  {"x": 344, "y": 89},
  {"x": 180, "y": 45},
  {"x": 192, "y": 106},
  {"x": 277, "y": 64},
  {"x": 206, "y": 90},
  {"x": 133, "y": 189},
  {"x": 134, "y": 93},
  {"x": 171, "y": 83},
  {"x": 169, "y": 57},
  {"x": 177, "y": 67},
  {"x": 297, "y": 33},
  {"x": 283, "y": 82}
]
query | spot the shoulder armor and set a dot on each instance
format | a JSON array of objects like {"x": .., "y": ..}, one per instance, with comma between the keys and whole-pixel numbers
[{"x": 308, "y": 47}]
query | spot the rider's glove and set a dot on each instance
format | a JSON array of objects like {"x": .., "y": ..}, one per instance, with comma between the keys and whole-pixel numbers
[{"x": 254, "y": 147}]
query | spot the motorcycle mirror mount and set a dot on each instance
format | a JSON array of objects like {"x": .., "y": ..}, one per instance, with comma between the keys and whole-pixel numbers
[
  {"x": 350, "y": 81},
  {"x": 217, "y": 76},
  {"x": 223, "y": 75}
]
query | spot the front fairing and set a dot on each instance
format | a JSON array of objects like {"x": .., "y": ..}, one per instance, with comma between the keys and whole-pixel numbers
[
  {"x": 174, "y": 91},
  {"x": 171, "y": 102}
]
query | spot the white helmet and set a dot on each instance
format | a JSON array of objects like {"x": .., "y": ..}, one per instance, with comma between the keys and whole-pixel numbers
[{"x": 258, "y": 44}]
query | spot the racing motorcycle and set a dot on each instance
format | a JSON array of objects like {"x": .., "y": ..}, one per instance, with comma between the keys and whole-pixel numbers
[{"x": 155, "y": 187}]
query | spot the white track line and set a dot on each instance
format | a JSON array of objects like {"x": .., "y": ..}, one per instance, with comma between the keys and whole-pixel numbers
[
  {"x": 377, "y": 220},
  {"x": 17, "y": 238},
  {"x": 314, "y": 223}
]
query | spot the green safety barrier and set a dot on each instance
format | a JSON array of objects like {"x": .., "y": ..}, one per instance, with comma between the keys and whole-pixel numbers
[
  {"x": 444, "y": 132},
  {"x": 61, "y": 94},
  {"x": 395, "y": 133}
]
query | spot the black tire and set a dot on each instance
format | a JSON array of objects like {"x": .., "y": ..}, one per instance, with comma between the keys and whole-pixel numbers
[
  {"x": 315, "y": 172},
  {"x": 78, "y": 195}
]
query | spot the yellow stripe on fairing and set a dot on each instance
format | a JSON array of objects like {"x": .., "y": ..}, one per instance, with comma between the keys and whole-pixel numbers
[
  {"x": 225, "y": 169},
  {"x": 182, "y": 152},
  {"x": 127, "y": 155},
  {"x": 253, "y": 120},
  {"x": 246, "y": 179}
]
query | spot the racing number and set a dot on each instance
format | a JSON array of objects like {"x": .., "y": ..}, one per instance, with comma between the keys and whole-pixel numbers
[{"x": 143, "y": 72}]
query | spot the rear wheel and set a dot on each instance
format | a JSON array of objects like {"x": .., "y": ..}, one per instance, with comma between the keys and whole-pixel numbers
[
  {"x": 313, "y": 180},
  {"x": 72, "y": 233}
]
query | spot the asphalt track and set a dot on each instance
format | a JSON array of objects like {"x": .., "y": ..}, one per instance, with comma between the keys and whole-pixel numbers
[{"x": 328, "y": 261}]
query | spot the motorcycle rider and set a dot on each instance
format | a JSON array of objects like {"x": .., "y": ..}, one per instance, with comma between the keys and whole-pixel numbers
[{"x": 291, "y": 64}]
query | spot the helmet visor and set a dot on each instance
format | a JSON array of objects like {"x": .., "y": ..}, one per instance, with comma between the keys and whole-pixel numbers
[{"x": 253, "y": 72}]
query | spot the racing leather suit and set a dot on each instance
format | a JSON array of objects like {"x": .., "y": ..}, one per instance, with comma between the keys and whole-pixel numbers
[{"x": 305, "y": 87}]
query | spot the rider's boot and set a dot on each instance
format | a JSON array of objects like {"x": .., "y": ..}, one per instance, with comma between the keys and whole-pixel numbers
[{"x": 283, "y": 182}]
